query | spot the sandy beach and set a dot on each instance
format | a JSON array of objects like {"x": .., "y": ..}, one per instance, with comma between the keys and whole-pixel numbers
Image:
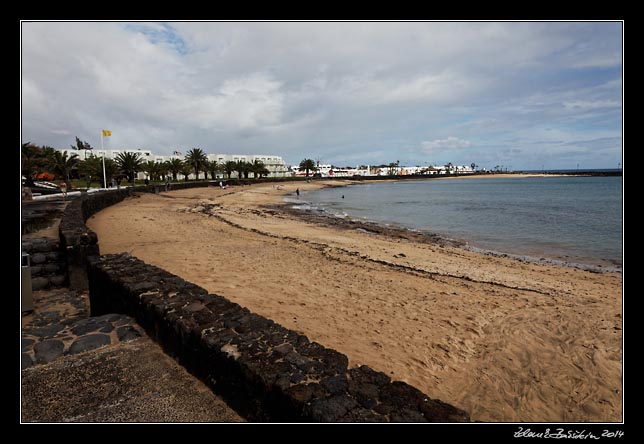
[{"x": 504, "y": 339}]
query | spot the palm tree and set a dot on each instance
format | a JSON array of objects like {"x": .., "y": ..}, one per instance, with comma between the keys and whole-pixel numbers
[
  {"x": 240, "y": 167},
  {"x": 259, "y": 169},
  {"x": 196, "y": 159},
  {"x": 152, "y": 168},
  {"x": 129, "y": 164},
  {"x": 91, "y": 167},
  {"x": 307, "y": 165},
  {"x": 63, "y": 164},
  {"x": 204, "y": 168},
  {"x": 32, "y": 159},
  {"x": 48, "y": 154},
  {"x": 174, "y": 166},
  {"x": 162, "y": 169},
  {"x": 229, "y": 167},
  {"x": 213, "y": 169},
  {"x": 186, "y": 169},
  {"x": 247, "y": 168}
]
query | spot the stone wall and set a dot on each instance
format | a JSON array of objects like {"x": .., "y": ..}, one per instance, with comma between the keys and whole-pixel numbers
[
  {"x": 47, "y": 263},
  {"x": 265, "y": 371},
  {"x": 79, "y": 243}
]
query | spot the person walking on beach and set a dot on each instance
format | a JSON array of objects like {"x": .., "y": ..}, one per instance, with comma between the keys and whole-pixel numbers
[
  {"x": 298, "y": 193},
  {"x": 167, "y": 183},
  {"x": 63, "y": 189}
]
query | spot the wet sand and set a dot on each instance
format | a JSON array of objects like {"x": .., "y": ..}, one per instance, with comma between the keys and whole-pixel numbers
[{"x": 504, "y": 339}]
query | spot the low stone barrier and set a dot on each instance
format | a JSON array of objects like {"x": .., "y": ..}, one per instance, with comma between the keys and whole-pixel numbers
[
  {"x": 79, "y": 243},
  {"x": 47, "y": 263},
  {"x": 265, "y": 371}
]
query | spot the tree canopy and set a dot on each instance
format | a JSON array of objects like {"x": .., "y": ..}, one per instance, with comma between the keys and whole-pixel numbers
[
  {"x": 229, "y": 167},
  {"x": 259, "y": 169},
  {"x": 63, "y": 163},
  {"x": 174, "y": 166},
  {"x": 129, "y": 164},
  {"x": 197, "y": 159},
  {"x": 308, "y": 165},
  {"x": 81, "y": 145}
]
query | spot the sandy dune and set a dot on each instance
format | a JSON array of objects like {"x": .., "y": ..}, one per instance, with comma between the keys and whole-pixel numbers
[{"x": 505, "y": 340}]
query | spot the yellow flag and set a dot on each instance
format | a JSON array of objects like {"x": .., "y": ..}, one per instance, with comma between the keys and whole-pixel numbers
[{"x": 107, "y": 133}]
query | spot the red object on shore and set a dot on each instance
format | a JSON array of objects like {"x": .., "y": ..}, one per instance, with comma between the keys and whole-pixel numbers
[{"x": 45, "y": 176}]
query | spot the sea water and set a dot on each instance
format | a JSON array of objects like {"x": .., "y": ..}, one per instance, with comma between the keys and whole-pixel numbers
[{"x": 573, "y": 218}]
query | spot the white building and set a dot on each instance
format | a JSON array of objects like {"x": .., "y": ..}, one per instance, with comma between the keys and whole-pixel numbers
[
  {"x": 111, "y": 154},
  {"x": 332, "y": 171},
  {"x": 276, "y": 167},
  {"x": 274, "y": 164}
]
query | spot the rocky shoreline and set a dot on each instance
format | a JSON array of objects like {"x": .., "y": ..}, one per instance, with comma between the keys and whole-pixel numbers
[{"x": 393, "y": 232}]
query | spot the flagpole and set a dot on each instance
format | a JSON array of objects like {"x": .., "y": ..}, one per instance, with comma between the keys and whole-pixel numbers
[{"x": 103, "y": 150}]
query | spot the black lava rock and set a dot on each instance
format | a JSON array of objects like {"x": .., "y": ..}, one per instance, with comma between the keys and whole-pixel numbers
[
  {"x": 127, "y": 333},
  {"x": 47, "y": 351},
  {"x": 89, "y": 342}
]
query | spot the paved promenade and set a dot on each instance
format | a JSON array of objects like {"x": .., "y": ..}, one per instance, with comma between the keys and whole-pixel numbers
[{"x": 104, "y": 369}]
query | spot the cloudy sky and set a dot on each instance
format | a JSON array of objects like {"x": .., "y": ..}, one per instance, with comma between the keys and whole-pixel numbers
[{"x": 522, "y": 95}]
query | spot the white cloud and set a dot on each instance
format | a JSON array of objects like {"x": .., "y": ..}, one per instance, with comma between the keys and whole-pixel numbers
[
  {"x": 592, "y": 104},
  {"x": 448, "y": 144},
  {"x": 61, "y": 132},
  {"x": 250, "y": 102},
  {"x": 329, "y": 90}
]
